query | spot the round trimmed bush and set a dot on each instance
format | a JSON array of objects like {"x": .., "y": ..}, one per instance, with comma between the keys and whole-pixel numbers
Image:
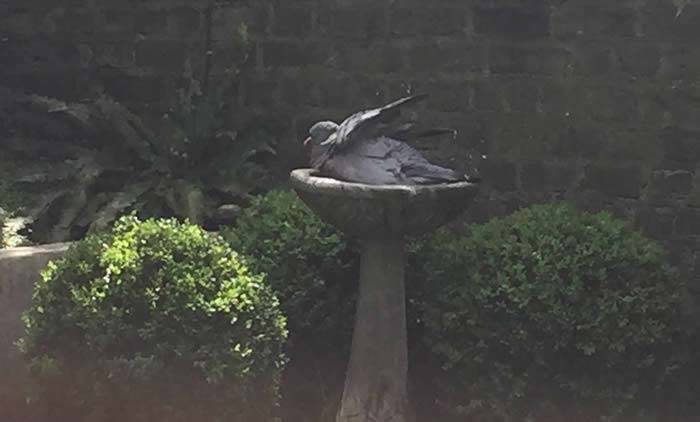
[
  {"x": 550, "y": 308},
  {"x": 309, "y": 264},
  {"x": 313, "y": 269},
  {"x": 156, "y": 320},
  {"x": 2, "y": 228}
]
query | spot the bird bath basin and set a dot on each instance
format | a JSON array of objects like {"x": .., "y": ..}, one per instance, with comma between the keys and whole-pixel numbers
[{"x": 381, "y": 215}]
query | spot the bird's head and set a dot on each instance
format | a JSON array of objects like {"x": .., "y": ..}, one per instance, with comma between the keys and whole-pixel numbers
[{"x": 319, "y": 132}]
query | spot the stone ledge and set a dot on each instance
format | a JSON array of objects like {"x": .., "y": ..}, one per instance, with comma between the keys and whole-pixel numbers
[{"x": 19, "y": 270}]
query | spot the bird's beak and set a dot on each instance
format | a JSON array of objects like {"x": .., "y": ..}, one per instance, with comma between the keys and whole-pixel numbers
[{"x": 306, "y": 141}]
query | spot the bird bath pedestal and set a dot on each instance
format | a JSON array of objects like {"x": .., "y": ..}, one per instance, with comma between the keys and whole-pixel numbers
[{"x": 381, "y": 215}]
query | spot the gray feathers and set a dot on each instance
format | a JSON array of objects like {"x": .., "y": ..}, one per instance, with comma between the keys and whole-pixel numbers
[
  {"x": 364, "y": 149},
  {"x": 386, "y": 161}
]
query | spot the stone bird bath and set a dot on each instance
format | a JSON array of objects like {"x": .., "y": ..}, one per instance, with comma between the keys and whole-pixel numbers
[{"x": 381, "y": 216}]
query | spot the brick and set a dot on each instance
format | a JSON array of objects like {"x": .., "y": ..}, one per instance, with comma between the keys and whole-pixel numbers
[
  {"x": 665, "y": 186},
  {"x": 79, "y": 23},
  {"x": 512, "y": 59},
  {"x": 433, "y": 20},
  {"x": 441, "y": 55},
  {"x": 295, "y": 53},
  {"x": 694, "y": 196},
  {"x": 293, "y": 20},
  {"x": 641, "y": 146},
  {"x": 589, "y": 200},
  {"x": 354, "y": 23},
  {"x": 366, "y": 91},
  {"x": 227, "y": 24},
  {"x": 585, "y": 139},
  {"x": 665, "y": 20},
  {"x": 226, "y": 56},
  {"x": 594, "y": 20},
  {"x": 161, "y": 55},
  {"x": 118, "y": 55},
  {"x": 612, "y": 104},
  {"x": 546, "y": 176},
  {"x": 64, "y": 84},
  {"x": 669, "y": 187},
  {"x": 334, "y": 88},
  {"x": 652, "y": 110},
  {"x": 380, "y": 58},
  {"x": 166, "y": 5},
  {"x": 639, "y": 59},
  {"x": 150, "y": 22},
  {"x": 297, "y": 87},
  {"x": 449, "y": 96},
  {"x": 482, "y": 210},
  {"x": 592, "y": 58},
  {"x": 623, "y": 208},
  {"x": 655, "y": 223},
  {"x": 613, "y": 19},
  {"x": 183, "y": 22},
  {"x": 260, "y": 91},
  {"x": 561, "y": 98},
  {"x": 487, "y": 95},
  {"x": 19, "y": 22},
  {"x": 530, "y": 21},
  {"x": 688, "y": 221},
  {"x": 678, "y": 62},
  {"x": 522, "y": 96},
  {"x": 681, "y": 144},
  {"x": 118, "y": 20},
  {"x": 615, "y": 181},
  {"x": 499, "y": 174}
]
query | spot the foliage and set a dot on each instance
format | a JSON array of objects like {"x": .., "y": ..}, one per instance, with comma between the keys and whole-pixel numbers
[
  {"x": 313, "y": 269},
  {"x": 10, "y": 226},
  {"x": 309, "y": 263},
  {"x": 3, "y": 215},
  {"x": 550, "y": 305},
  {"x": 126, "y": 166},
  {"x": 80, "y": 165},
  {"x": 159, "y": 319}
]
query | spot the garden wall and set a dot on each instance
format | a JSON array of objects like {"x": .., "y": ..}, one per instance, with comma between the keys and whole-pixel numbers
[
  {"x": 19, "y": 269},
  {"x": 593, "y": 101}
]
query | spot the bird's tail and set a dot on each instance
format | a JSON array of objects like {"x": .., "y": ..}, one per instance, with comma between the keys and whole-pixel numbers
[{"x": 426, "y": 173}]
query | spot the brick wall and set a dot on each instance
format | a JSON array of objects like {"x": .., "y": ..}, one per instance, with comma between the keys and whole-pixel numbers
[{"x": 593, "y": 101}]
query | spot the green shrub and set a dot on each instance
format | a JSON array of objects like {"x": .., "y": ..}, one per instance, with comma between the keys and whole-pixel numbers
[
  {"x": 2, "y": 228},
  {"x": 550, "y": 306},
  {"x": 313, "y": 270},
  {"x": 311, "y": 266},
  {"x": 159, "y": 320}
]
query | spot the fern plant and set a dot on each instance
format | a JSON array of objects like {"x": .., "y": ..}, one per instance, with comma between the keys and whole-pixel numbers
[{"x": 83, "y": 164}]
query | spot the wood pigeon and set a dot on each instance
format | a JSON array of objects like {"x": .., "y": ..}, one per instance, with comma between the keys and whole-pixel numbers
[{"x": 365, "y": 148}]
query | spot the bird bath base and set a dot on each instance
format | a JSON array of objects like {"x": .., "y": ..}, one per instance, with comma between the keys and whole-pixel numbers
[
  {"x": 381, "y": 215},
  {"x": 375, "y": 385}
]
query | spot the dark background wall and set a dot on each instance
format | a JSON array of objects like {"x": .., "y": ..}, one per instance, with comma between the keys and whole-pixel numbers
[{"x": 593, "y": 101}]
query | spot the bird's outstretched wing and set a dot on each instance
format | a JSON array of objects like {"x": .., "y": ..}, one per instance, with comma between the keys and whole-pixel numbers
[{"x": 368, "y": 124}]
